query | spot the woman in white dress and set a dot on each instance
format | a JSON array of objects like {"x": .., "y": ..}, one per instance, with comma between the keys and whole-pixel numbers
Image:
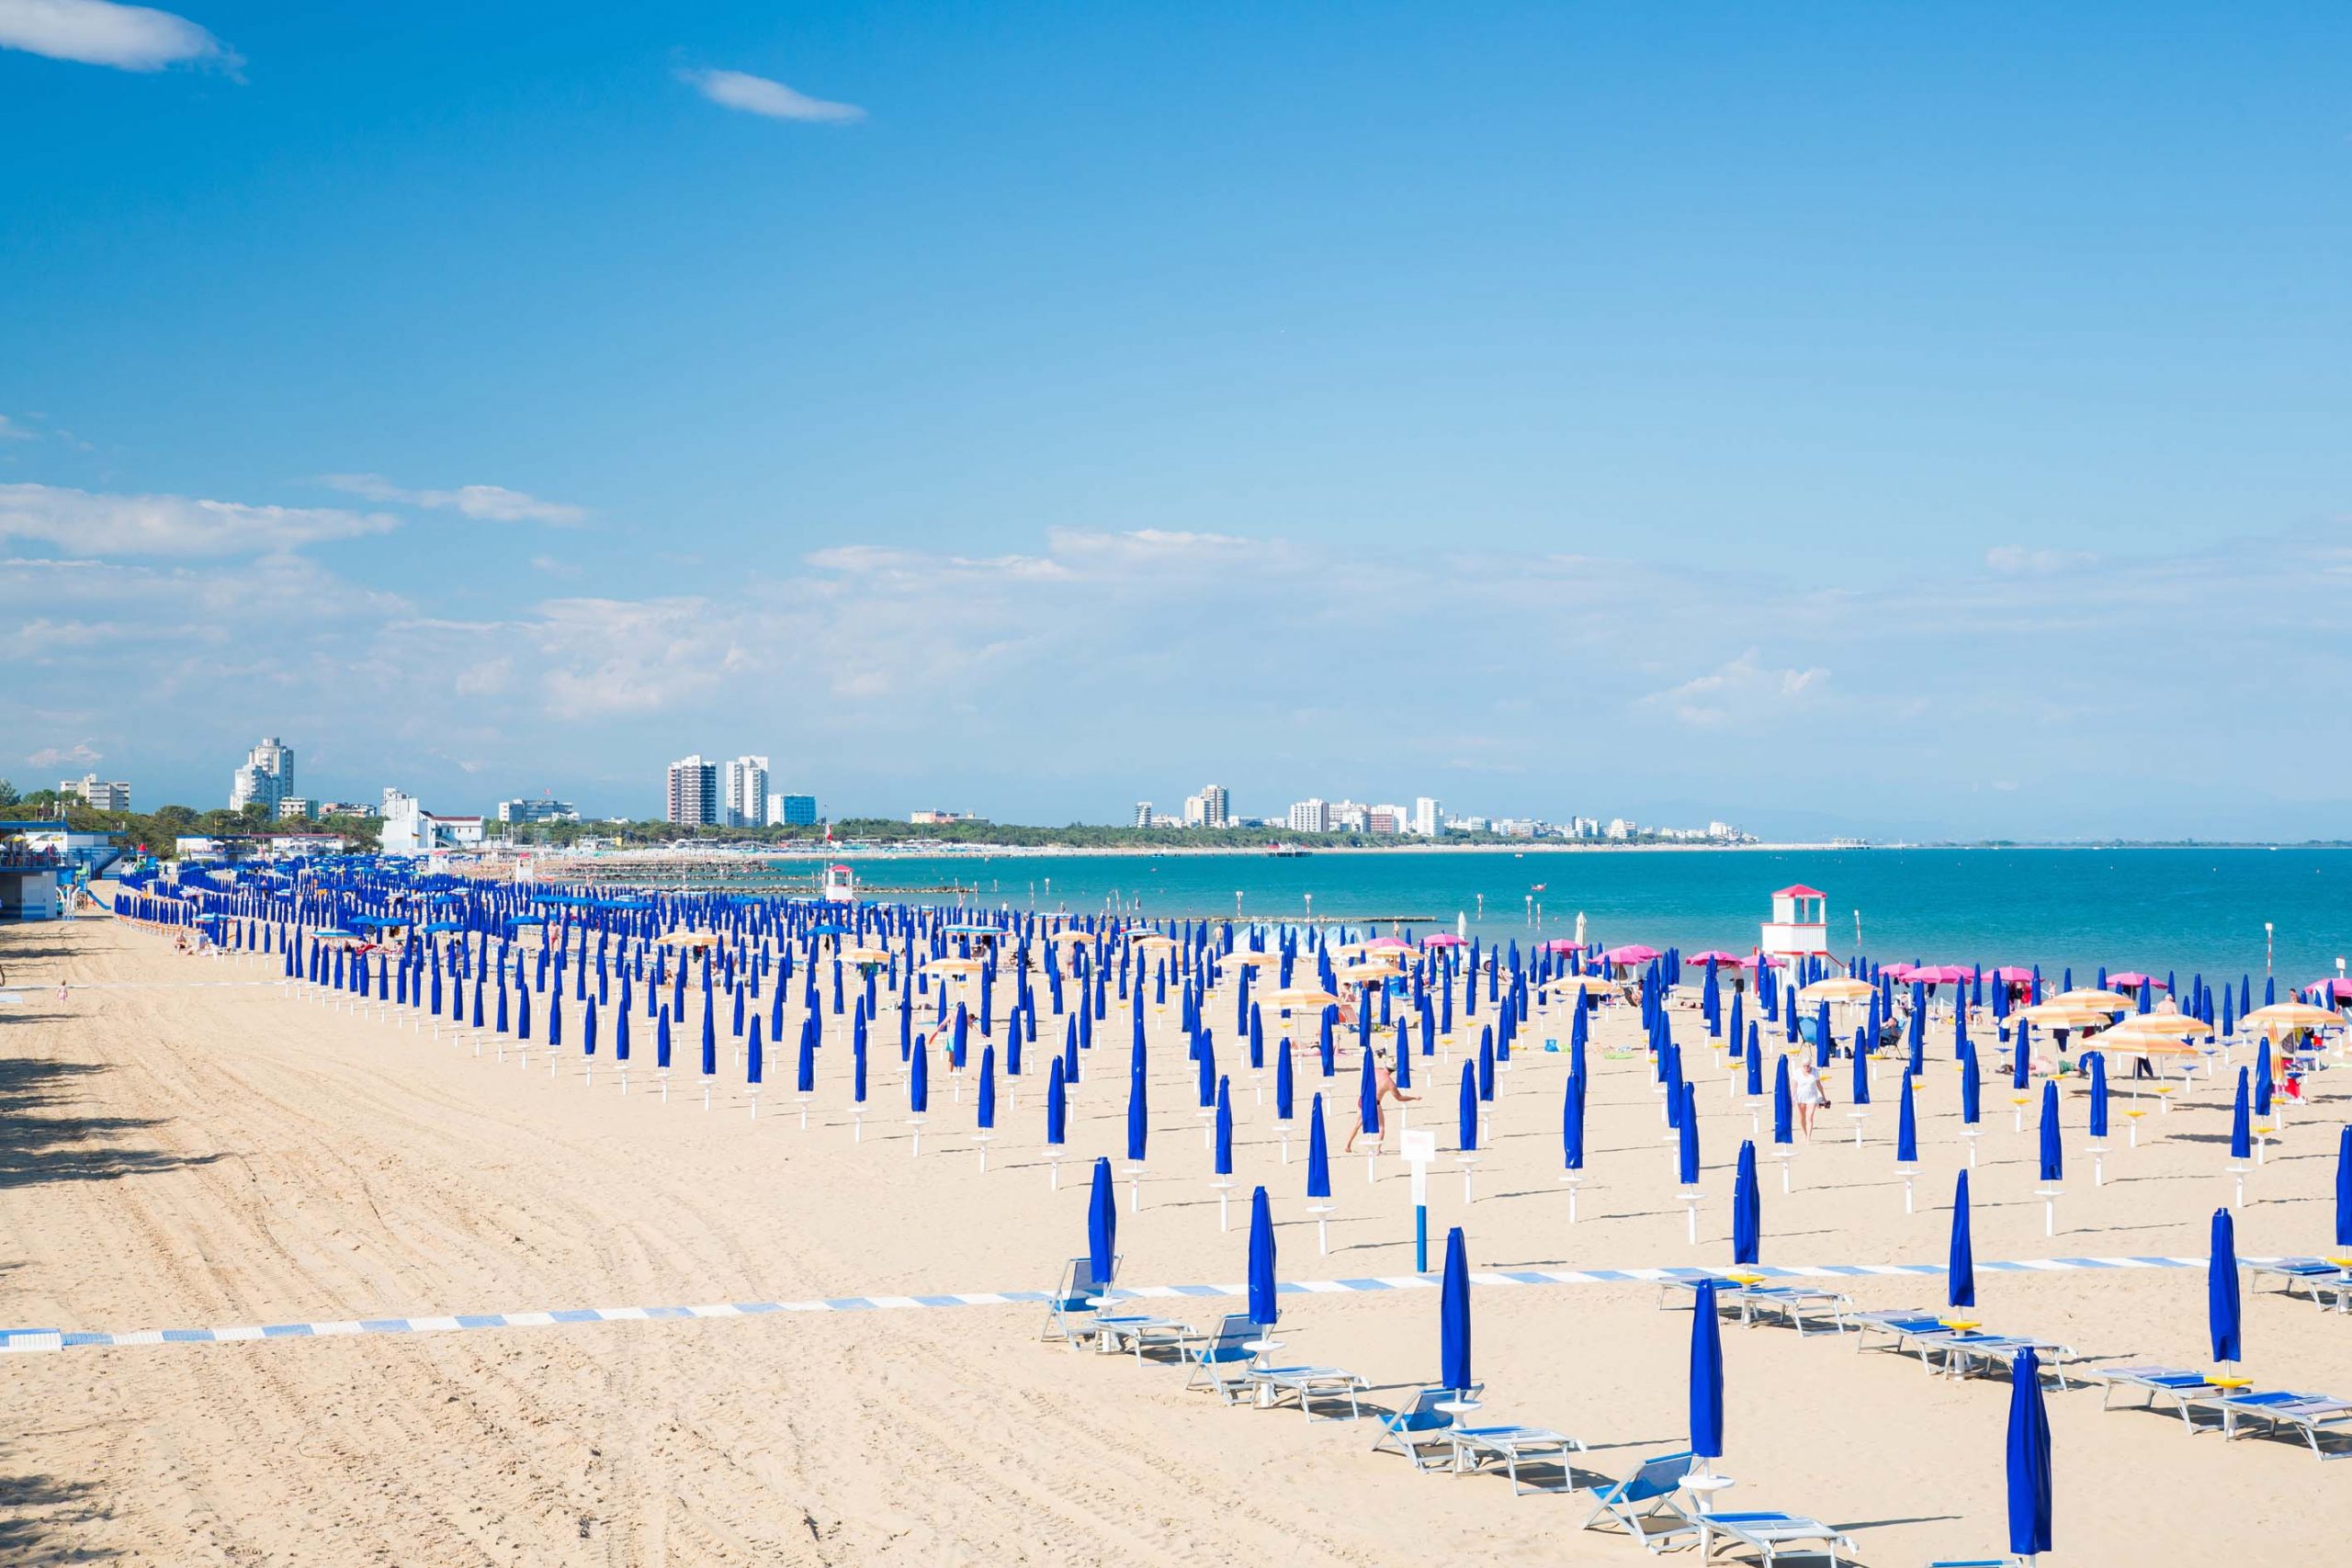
[{"x": 1805, "y": 1093}]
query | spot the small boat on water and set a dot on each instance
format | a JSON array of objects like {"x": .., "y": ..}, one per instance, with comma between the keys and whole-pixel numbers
[{"x": 1286, "y": 851}]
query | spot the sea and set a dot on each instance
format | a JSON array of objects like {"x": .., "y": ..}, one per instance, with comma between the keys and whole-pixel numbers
[{"x": 2213, "y": 911}]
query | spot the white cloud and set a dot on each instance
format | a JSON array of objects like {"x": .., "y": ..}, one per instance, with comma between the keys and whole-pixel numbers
[
  {"x": 757, "y": 94},
  {"x": 484, "y": 503},
  {"x": 170, "y": 524},
  {"x": 9, "y": 431},
  {"x": 1741, "y": 688},
  {"x": 78, "y": 754},
  {"x": 96, "y": 32}
]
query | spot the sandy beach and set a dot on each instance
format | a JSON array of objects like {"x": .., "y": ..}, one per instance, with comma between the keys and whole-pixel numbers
[{"x": 186, "y": 1143}]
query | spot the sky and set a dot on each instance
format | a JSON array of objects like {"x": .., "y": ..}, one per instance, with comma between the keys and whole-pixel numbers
[{"x": 1837, "y": 418}]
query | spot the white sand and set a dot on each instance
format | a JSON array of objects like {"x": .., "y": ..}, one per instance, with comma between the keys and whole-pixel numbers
[{"x": 177, "y": 1154}]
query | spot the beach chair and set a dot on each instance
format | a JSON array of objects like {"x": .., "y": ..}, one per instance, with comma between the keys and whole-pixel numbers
[
  {"x": 1791, "y": 1303},
  {"x": 1303, "y": 1383},
  {"x": 1647, "y": 1504},
  {"x": 1966, "y": 1352},
  {"x": 1069, "y": 1311},
  {"x": 1418, "y": 1431},
  {"x": 2186, "y": 1390},
  {"x": 1475, "y": 1448},
  {"x": 2314, "y": 1274},
  {"x": 1221, "y": 1361},
  {"x": 1900, "y": 1327},
  {"x": 2313, "y": 1415},
  {"x": 1772, "y": 1535},
  {"x": 1686, "y": 1287}
]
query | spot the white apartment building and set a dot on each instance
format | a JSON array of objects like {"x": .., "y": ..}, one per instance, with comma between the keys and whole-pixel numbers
[
  {"x": 1312, "y": 814},
  {"x": 410, "y": 829},
  {"x": 266, "y": 776},
  {"x": 1618, "y": 828},
  {"x": 693, "y": 791},
  {"x": 97, "y": 793},
  {"x": 294, "y": 809},
  {"x": 746, "y": 798},
  {"x": 1142, "y": 813},
  {"x": 1429, "y": 816}
]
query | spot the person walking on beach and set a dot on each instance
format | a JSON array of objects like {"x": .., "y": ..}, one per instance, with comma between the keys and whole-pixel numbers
[
  {"x": 1385, "y": 1092},
  {"x": 1806, "y": 1094}
]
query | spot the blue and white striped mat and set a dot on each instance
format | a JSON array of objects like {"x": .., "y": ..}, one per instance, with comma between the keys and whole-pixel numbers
[{"x": 21, "y": 1339}]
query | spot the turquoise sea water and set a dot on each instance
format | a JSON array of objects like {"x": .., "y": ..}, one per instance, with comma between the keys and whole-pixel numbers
[{"x": 2153, "y": 910}]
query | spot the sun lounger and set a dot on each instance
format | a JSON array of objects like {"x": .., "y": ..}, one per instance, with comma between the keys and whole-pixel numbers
[
  {"x": 2183, "y": 1388},
  {"x": 1139, "y": 1333},
  {"x": 1303, "y": 1383},
  {"x": 1069, "y": 1311},
  {"x": 1772, "y": 1535},
  {"x": 1647, "y": 1505},
  {"x": 1475, "y": 1448},
  {"x": 2315, "y": 1274},
  {"x": 1964, "y": 1353},
  {"x": 2309, "y": 1413},
  {"x": 1420, "y": 1431},
  {"x": 1222, "y": 1362},
  {"x": 1791, "y": 1303},
  {"x": 1901, "y": 1327}
]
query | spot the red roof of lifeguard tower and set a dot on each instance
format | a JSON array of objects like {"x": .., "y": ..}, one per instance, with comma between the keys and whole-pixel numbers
[{"x": 1799, "y": 891}]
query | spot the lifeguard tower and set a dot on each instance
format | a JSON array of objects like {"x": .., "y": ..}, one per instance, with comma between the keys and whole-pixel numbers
[
  {"x": 841, "y": 884},
  {"x": 1800, "y": 924}
]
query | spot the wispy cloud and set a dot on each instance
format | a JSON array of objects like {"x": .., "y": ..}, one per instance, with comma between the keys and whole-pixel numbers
[
  {"x": 80, "y": 754},
  {"x": 757, "y": 94},
  {"x": 97, "y": 33},
  {"x": 1741, "y": 688},
  {"x": 101, "y": 524},
  {"x": 485, "y": 503},
  {"x": 10, "y": 431}
]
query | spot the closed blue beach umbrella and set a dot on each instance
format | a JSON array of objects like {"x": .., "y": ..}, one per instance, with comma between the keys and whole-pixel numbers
[
  {"x": 1223, "y": 1140},
  {"x": 1572, "y": 1124},
  {"x": 1753, "y": 1065},
  {"x": 1056, "y": 1105},
  {"x": 1467, "y": 1123},
  {"x": 2029, "y": 1459},
  {"x": 1686, "y": 1147},
  {"x": 754, "y": 1056},
  {"x": 2344, "y": 1187},
  {"x": 1263, "y": 1306},
  {"x": 2241, "y": 1124},
  {"x": 1906, "y": 1128},
  {"x": 662, "y": 1039},
  {"x": 2053, "y": 1153},
  {"x": 1784, "y": 1106},
  {"x": 2097, "y": 1060},
  {"x": 1101, "y": 1226},
  {"x": 1368, "y": 1098},
  {"x": 1971, "y": 1088},
  {"x": 919, "y": 1081},
  {"x": 1318, "y": 1152},
  {"x": 987, "y": 1108},
  {"x": 1860, "y": 1091},
  {"x": 1959, "y": 1271},
  {"x": 709, "y": 1041},
  {"x": 1286, "y": 1084},
  {"x": 2262, "y": 1079},
  {"x": 2223, "y": 1319},
  {"x": 1453, "y": 1314},
  {"x": 1139, "y": 1112},
  {"x": 1706, "y": 1375},
  {"x": 1746, "y": 1208}
]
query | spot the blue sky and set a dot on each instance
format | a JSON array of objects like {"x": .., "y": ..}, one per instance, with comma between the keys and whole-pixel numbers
[{"x": 1827, "y": 417}]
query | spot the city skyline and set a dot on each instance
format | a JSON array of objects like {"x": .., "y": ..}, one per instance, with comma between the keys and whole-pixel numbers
[{"x": 1597, "y": 418}]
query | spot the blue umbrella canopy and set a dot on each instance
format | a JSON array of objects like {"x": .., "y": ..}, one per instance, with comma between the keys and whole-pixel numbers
[
  {"x": 1572, "y": 1124},
  {"x": 2029, "y": 1459},
  {"x": 1960, "y": 1270},
  {"x": 1746, "y": 1208},
  {"x": 1263, "y": 1306},
  {"x": 1286, "y": 1084},
  {"x": 2097, "y": 1060},
  {"x": 2223, "y": 1320},
  {"x": 1139, "y": 1112},
  {"x": 1453, "y": 1314},
  {"x": 2053, "y": 1152},
  {"x": 754, "y": 1057},
  {"x": 1706, "y": 1375},
  {"x": 1223, "y": 1133},
  {"x": 1368, "y": 1097},
  {"x": 2241, "y": 1124},
  {"x": 1101, "y": 1225},
  {"x": 1686, "y": 1145},
  {"x": 985, "y": 1110},
  {"x": 1318, "y": 1153},
  {"x": 919, "y": 1081},
  {"x": 1906, "y": 1128},
  {"x": 1972, "y": 1087},
  {"x": 1466, "y": 1122},
  {"x": 1056, "y": 1105},
  {"x": 2262, "y": 1078},
  {"x": 1784, "y": 1106},
  {"x": 1860, "y": 1093},
  {"x": 2344, "y": 1187}
]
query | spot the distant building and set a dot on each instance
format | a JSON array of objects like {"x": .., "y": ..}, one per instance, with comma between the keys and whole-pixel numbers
[
  {"x": 294, "y": 809},
  {"x": 936, "y": 818},
  {"x": 746, "y": 792},
  {"x": 410, "y": 829},
  {"x": 1215, "y": 807},
  {"x": 266, "y": 776},
  {"x": 305, "y": 843},
  {"x": 1310, "y": 816},
  {"x": 693, "y": 793},
  {"x": 1142, "y": 813},
  {"x": 1429, "y": 816},
  {"x": 1619, "y": 828},
  {"x": 95, "y": 793},
  {"x": 347, "y": 808},
  {"x": 1384, "y": 820},
  {"x": 543, "y": 809},
  {"x": 792, "y": 811},
  {"x": 1349, "y": 817}
]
